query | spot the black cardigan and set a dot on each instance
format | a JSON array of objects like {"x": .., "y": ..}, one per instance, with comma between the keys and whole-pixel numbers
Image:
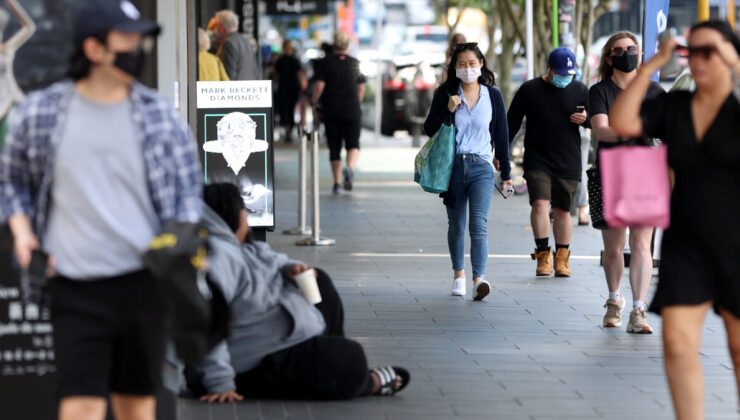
[{"x": 438, "y": 113}]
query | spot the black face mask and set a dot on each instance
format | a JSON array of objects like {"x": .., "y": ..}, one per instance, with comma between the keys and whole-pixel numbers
[
  {"x": 625, "y": 62},
  {"x": 131, "y": 62}
]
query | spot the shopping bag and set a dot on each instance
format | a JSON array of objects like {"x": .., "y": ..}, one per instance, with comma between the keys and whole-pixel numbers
[
  {"x": 635, "y": 186},
  {"x": 433, "y": 163}
]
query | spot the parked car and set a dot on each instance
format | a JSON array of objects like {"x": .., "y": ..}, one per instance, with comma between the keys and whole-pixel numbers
[
  {"x": 428, "y": 41},
  {"x": 408, "y": 87}
]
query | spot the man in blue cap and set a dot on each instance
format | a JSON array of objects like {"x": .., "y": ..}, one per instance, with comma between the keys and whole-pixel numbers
[
  {"x": 92, "y": 168},
  {"x": 554, "y": 105}
]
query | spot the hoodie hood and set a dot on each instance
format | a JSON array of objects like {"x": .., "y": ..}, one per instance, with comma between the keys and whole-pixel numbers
[{"x": 216, "y": 226}]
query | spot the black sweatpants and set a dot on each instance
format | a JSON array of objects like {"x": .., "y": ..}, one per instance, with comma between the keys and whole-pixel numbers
[{"x": 327, "y": 367}]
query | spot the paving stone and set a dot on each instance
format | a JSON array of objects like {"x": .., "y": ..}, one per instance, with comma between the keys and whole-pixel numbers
[{"x": 533, "y": 349}]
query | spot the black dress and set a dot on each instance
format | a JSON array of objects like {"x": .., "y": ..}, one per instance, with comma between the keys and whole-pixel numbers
[{"x": 699, "y": 257}]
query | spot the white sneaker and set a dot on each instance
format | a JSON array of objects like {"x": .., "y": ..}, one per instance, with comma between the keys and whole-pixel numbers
[
  {"x": 458, "y": 286},
  {"x": 482, "y": 289}
]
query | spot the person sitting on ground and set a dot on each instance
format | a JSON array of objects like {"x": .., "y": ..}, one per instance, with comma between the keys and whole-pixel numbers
[{"x": 280, "y": 346}]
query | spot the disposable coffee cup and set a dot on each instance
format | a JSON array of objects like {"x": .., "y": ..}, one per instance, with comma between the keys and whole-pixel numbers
[{"x": 307, "y": 283}]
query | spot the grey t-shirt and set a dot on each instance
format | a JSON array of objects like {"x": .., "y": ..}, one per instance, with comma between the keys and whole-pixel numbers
[{"x": 102, "y": 217}]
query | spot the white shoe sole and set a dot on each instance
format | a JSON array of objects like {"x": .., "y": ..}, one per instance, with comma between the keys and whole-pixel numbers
[
  {"x": 637, "y": 330},
  {"x": 457, "y": 293}
]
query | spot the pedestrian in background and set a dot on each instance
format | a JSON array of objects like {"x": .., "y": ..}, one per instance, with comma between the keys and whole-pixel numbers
[
  {"x": 470, "y": 100},
  {"x": 618, "y": 67},
  {"x": 290, "y": 81},
  {"x": 455, "y": 40},
  {"x": 699, "y": 268},
  {"x": 340, "y": 86},
  {"x": 91, "y": 170},
  {"x": 210, "y": 67},
  {"x": 235, "y": 50},
  {"x": 555, "y": 106}
]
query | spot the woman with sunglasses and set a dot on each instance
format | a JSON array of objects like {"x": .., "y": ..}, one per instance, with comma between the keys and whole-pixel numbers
[
  {"x": 618, "y": 67},
  {"x": 469, "y": 99},
  {"x": 699, "y": 264}
]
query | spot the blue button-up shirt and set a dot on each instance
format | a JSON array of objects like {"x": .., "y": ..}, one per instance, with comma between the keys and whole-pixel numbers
[
  {"x": 473, "y": 135},
  {"x": 169, "y": 151}
]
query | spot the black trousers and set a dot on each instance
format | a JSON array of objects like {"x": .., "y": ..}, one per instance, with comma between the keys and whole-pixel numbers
[{"x": 327, "y": 367}]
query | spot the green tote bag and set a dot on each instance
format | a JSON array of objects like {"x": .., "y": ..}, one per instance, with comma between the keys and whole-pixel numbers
[{"x": 433, "y": 164}]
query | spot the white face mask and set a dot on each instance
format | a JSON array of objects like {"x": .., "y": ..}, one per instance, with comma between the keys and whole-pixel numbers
[{"x": 468, "y": 75}]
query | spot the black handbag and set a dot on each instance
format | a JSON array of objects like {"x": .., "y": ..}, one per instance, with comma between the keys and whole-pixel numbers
[
  {"x": 197, "y": 312},
  {"x": 595, "y": 201}
]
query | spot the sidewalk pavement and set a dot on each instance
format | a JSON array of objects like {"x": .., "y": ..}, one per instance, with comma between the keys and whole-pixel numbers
[{"x": 533, "y": 349}]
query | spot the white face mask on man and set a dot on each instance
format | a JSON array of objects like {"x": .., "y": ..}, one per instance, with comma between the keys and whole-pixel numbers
[{"x": 468, "y": 75}]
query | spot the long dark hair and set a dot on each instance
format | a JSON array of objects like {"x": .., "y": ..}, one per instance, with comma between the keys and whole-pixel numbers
[
  {"x": 722, "y": 27},
  {"x": 452, "y": 83},
  {"x": 605, "y": 69},
  {"x": 79, "y": 65},
  {"x": 226, "y": 200}
]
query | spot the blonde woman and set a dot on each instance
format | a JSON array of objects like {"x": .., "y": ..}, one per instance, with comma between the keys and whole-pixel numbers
[{"x": 210, "y": 67}]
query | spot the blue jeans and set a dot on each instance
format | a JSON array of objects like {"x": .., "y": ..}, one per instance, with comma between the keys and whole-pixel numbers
[{"x": 471, "y": 181}]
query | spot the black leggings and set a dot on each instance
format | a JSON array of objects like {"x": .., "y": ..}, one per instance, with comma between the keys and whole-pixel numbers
[
  {"x": 340, "y": 128},
  {"x": 327, "y": 367}
]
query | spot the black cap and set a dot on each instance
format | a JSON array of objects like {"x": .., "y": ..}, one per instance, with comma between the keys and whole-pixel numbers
[{"x": 101, "y": 16}]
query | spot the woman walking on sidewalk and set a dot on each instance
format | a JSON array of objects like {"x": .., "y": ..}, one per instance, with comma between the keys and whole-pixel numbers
[
  {"x": 469, "y": 99},
  {"x": 699, "y": 265},
  {"x": 619, "y": 60}
]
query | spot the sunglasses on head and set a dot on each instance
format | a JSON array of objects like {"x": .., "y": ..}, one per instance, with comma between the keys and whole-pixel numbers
[
  {"x": 617, "y": 51},
  {"x": 701, "y": 51},
  {"x": 467, "y": 45}
]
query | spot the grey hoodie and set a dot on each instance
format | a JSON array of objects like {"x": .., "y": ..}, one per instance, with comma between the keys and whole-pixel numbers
[{"x": 268, "y": 312}]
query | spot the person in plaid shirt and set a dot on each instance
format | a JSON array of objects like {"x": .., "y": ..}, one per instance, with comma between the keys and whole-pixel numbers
[{"x": 91, "y": 169}]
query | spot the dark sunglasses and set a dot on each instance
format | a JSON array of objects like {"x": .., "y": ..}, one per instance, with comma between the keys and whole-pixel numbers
[
  {"x": 701, "y": 51},
  {"x": 466, "y": 46},
  {"x": 618, "y": 51}
]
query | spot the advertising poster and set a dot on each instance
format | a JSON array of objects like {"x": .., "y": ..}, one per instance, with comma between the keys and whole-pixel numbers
[
  {"x": 656, "y": 22},
  {"x": 27, "y": 371},
  {"x": 235, "y": 141}
]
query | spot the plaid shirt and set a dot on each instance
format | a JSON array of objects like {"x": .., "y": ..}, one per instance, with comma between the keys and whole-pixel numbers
[{"x": 170, "y": 155}]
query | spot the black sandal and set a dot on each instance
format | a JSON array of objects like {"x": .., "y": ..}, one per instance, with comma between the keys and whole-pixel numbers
[{"x": 388, "y": 376}]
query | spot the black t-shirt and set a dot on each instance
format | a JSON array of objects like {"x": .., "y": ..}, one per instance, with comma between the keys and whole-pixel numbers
[
  {"x": 552, "y": 143},
  {"x": 705, "y": 202},
  {"x": 602, "y": 96},
  {"x": 287, "y": 68},
  {"x": 341, "y": 73}
]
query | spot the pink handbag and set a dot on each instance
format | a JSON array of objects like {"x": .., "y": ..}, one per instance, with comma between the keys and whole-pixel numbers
[{"x": 635, "y": 186}]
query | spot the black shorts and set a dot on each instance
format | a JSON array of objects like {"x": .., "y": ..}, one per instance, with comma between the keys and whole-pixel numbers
[
  {"x": 109, "y": 335},
  {"x": 691, "y": 274},
  {"x": 558, "y": 191},
  {"x": 341, "y": 128}
]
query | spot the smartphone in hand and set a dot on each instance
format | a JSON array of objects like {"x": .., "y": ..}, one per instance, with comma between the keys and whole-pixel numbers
[
  {"x": 505, "y": 190},
  {"x": 36, "y": 272},
  {"x": 580, "y": 108}
]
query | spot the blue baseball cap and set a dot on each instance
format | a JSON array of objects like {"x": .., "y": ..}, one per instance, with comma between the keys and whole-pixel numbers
[
  {"x": 563, "y": 61},
  {"x": 98, "y": 17}
]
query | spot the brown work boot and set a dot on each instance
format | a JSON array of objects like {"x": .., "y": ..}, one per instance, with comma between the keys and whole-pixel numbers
[
  {"x": 544, "y": 262},
  {"x": 562, "y": 265}
]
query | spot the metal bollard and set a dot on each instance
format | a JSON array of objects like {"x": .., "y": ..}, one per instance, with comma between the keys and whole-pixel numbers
[
  {"x": 315, "y": 239},
  {"x": 301, "y": 229}
]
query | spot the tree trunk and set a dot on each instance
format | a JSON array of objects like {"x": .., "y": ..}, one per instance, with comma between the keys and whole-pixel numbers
[
  {"x": 492, "y": 26},
  {"x": 461, "y": 6},
  {"x": 587, "y": 44},
  {"x": 578, "y": 25}
]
